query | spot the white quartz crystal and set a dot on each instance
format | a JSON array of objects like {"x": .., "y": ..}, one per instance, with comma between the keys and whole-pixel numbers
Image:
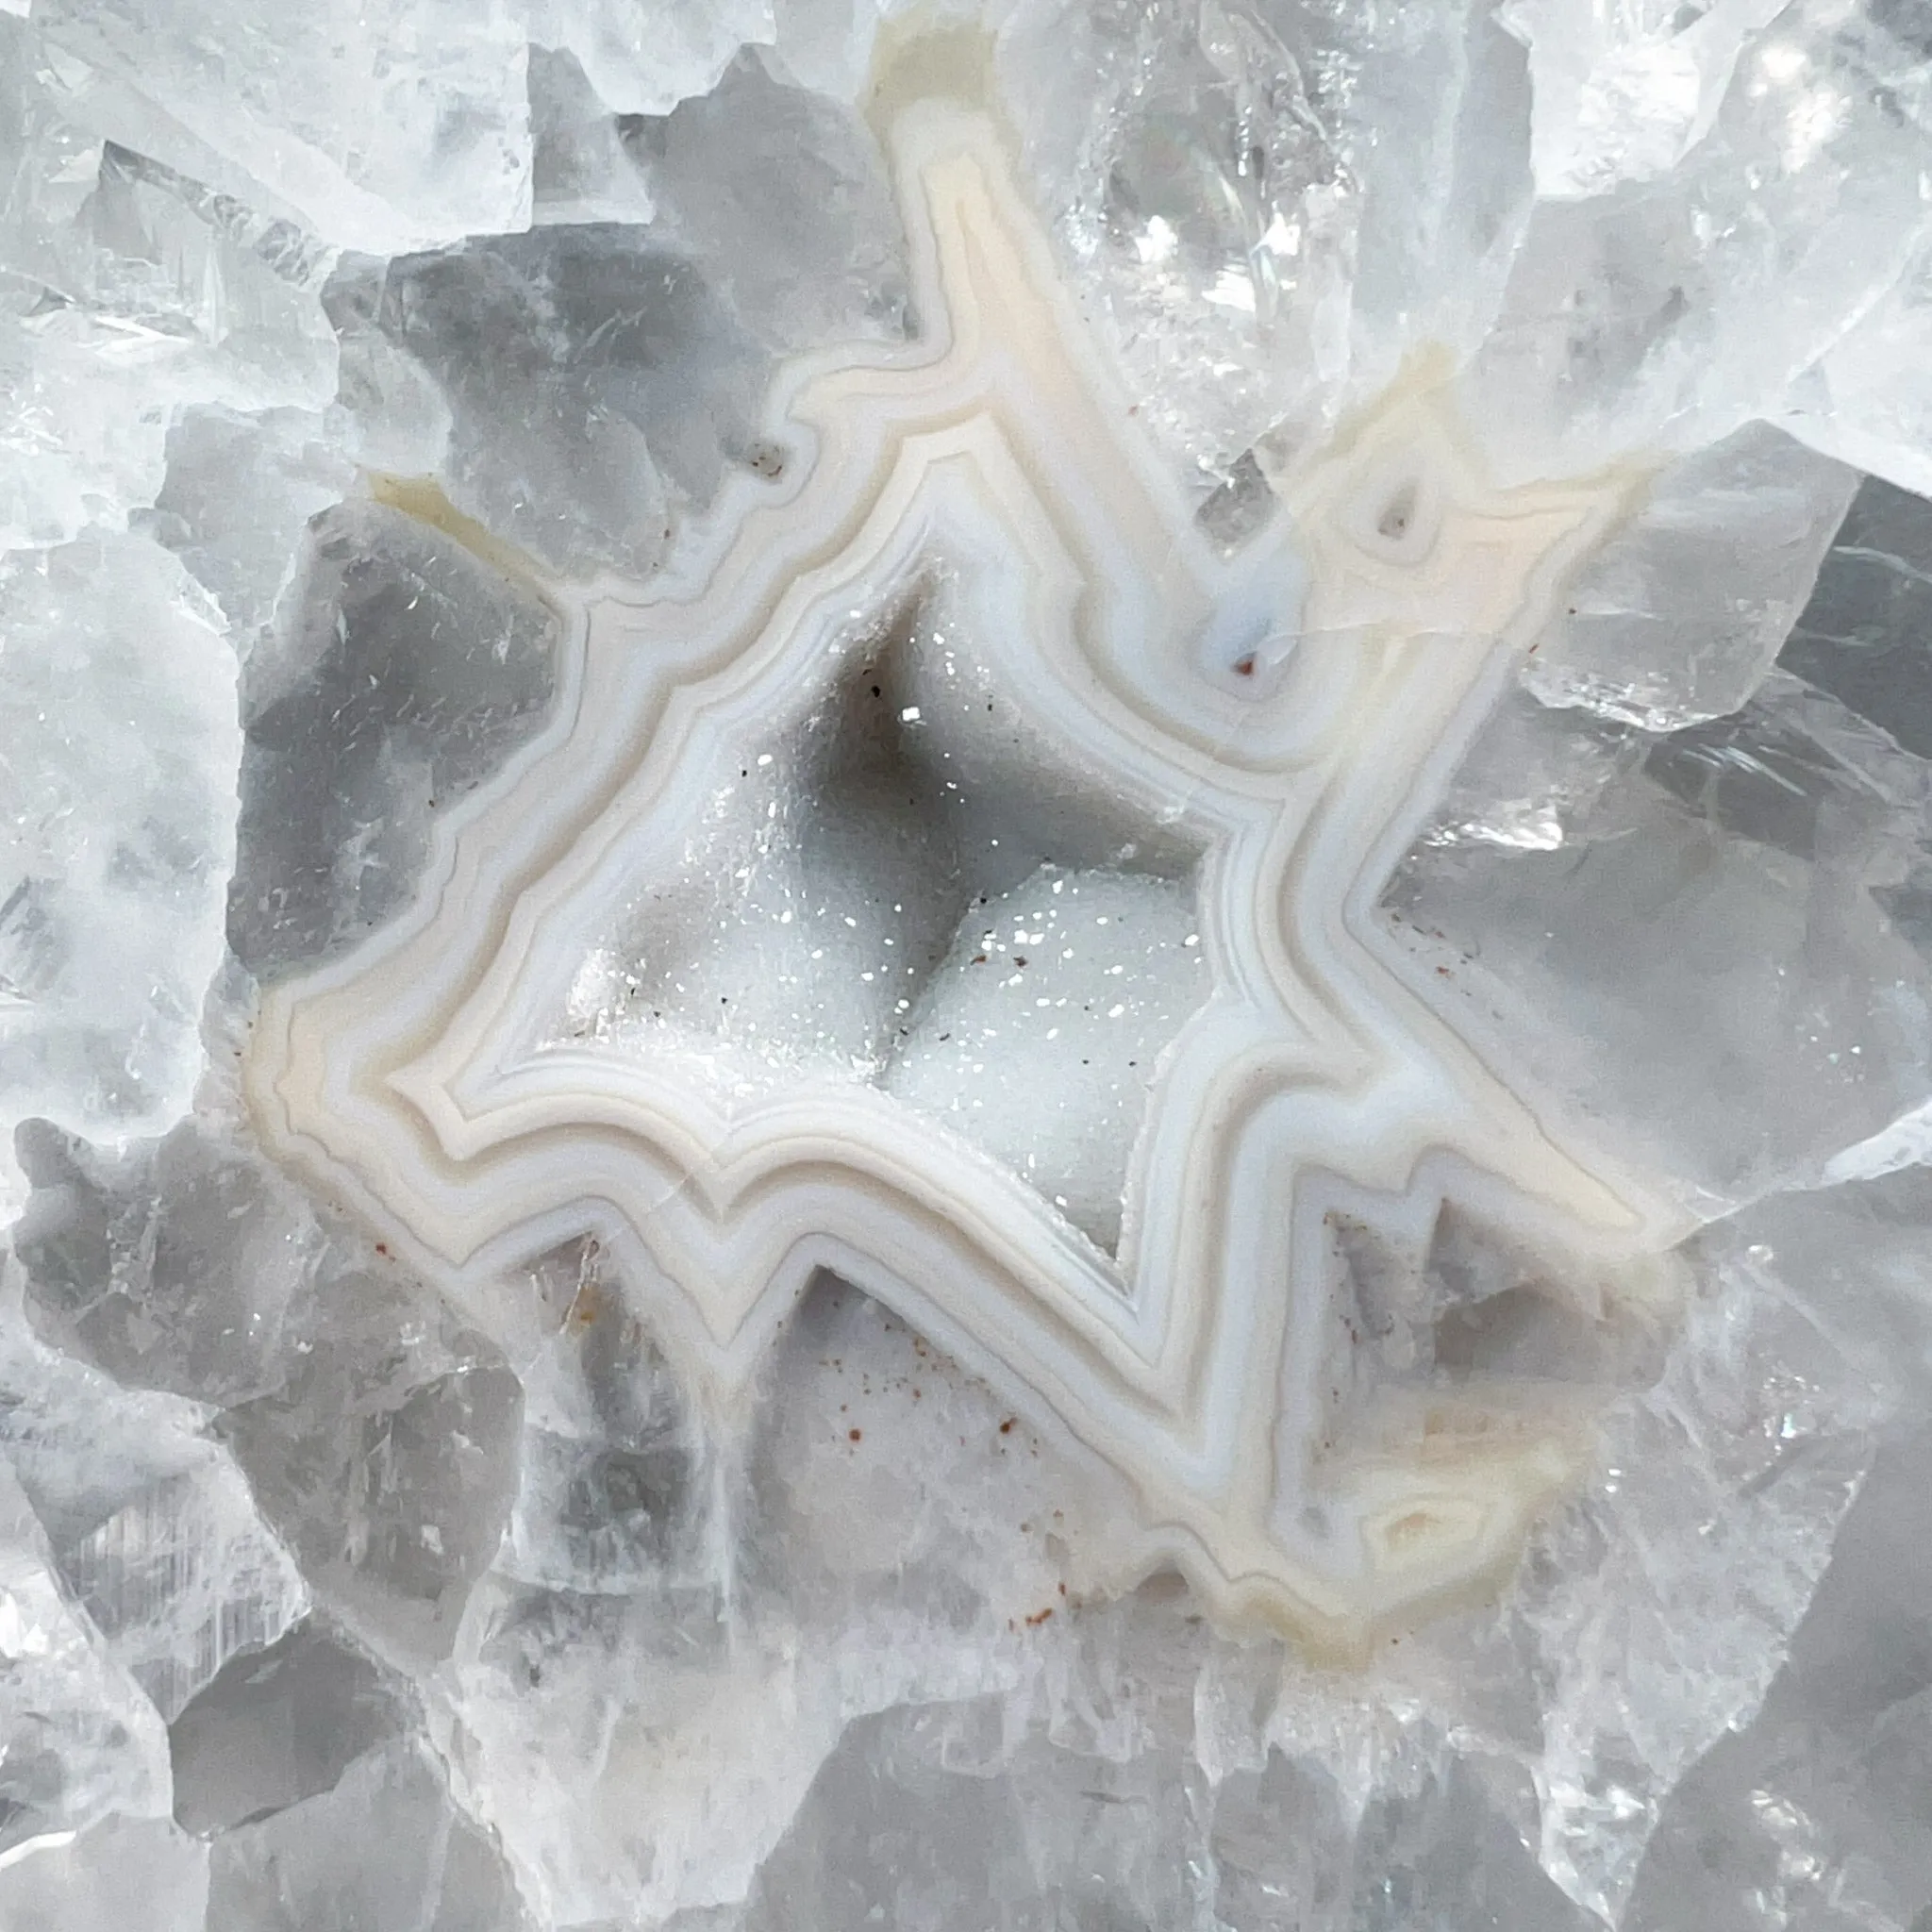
[
  {"x": 1681, "y": 614},
  {"x": 380, "y": 130},
  {"x": 642, "y": 56},
  {"x": 1623, "y": 93},
  {"x": 1866, "y": 399},
  {"x": 118, "y": 705},
  {"x": 145, "y": 1871},
  {"x": 133, "y": 290},
  {"x": 83, "y": 1743},
  {"x": 1673, "y": 310},
  {"x": 1759, "y": 847},
  {"x": 965, "y": 964}
]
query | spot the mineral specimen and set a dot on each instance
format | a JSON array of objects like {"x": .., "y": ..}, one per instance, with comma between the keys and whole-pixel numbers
[{"x": 964, "y": 966}]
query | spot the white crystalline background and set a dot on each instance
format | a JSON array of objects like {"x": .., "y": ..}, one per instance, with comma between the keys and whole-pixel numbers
[{"x": 324, "y": 1603}]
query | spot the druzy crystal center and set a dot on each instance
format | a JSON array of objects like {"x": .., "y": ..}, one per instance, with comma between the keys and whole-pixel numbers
[{"x": 900, "y": 885}]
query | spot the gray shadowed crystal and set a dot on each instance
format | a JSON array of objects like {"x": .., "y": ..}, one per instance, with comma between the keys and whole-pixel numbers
[
  {"x": 782, "y": 197},
  {"x": 1866, "y": 634},
  {"x": 382, "y": 1850},
  {"x": 387, "y": 1461},
  {"x": 594, "y": 381},
  {"x": 181, "y": 1265},
  {"x": 126, "y": 1871},
  {"x": 582, "y": 388},
  {"x": 279, "y": 1726},
  {"x": 579, "y": 168},
  {"x": 404, "y": 670},
  {"x": 608, "y": 1497},
  {"x": 930, "y": 1818},
  {"x": 1469, "y": 1303}
]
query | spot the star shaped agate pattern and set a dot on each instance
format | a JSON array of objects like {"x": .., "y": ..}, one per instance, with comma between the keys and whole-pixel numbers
[{"x": 729, "y": 968}]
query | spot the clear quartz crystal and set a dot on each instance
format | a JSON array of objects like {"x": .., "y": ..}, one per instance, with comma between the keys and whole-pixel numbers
[
  {"x": 351, "y": 353},
  {"x": 119, "y": 703}
]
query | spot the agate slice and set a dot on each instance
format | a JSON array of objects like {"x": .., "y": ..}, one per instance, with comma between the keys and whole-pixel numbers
[{"x": 956, "y": 874}]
